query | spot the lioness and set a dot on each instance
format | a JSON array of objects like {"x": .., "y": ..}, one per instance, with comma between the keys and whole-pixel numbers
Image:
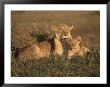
[{"x": 43, "y": 49}]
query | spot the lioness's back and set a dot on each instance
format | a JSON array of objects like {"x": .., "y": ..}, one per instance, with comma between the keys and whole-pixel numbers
[
  {"x": 36, "y": 51},
  {"x": 45, "y": 48}
]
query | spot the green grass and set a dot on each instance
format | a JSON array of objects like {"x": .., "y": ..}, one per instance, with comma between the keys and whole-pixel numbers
[
  {"x": 58, "y": 67},
  {"x": 87, "y": 25}
]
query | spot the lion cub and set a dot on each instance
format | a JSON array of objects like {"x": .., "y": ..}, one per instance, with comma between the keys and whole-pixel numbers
[{"x": 75, "y": 49}]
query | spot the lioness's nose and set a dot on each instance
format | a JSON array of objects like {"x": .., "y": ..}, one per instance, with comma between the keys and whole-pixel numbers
[{"x": 65, "y": 35}]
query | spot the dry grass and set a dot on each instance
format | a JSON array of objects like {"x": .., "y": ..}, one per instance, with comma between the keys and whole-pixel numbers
[{"x": 30, "y": 27}]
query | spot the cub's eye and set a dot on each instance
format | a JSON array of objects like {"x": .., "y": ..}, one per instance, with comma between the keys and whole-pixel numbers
[{"x": 74, "y": 47}]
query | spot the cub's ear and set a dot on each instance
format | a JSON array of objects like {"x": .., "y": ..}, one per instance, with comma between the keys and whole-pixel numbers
[{"x": 79, "y": 38}]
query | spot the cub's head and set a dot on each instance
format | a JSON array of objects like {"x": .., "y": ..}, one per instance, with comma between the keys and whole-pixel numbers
[{"x": 75, "y": 43}]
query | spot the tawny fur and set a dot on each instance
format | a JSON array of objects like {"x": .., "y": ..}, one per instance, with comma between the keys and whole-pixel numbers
[
  {"x": 61, "y": 32},
  {"x": 76, "y": 49},
  {"x": 35, "y": 51},
  {"x": 43, "y": 49},
  {"x": 58, "y": 47}
]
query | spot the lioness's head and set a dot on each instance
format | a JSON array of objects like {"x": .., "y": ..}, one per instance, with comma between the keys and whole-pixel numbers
[{"x": 62, "y": 31}]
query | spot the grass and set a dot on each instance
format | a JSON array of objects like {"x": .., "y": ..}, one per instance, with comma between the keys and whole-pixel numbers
[
  {"x": 58, "y": 67},
  {"x": 34, "y": 26}
]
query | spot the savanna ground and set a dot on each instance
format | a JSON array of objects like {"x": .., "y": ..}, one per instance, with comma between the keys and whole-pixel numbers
[{"x": 34, "y": 26}]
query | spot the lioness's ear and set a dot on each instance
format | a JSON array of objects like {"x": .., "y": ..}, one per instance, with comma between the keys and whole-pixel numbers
[
  {"x": 53, "y": 28},
  {"x": 71, "y": 27}
]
